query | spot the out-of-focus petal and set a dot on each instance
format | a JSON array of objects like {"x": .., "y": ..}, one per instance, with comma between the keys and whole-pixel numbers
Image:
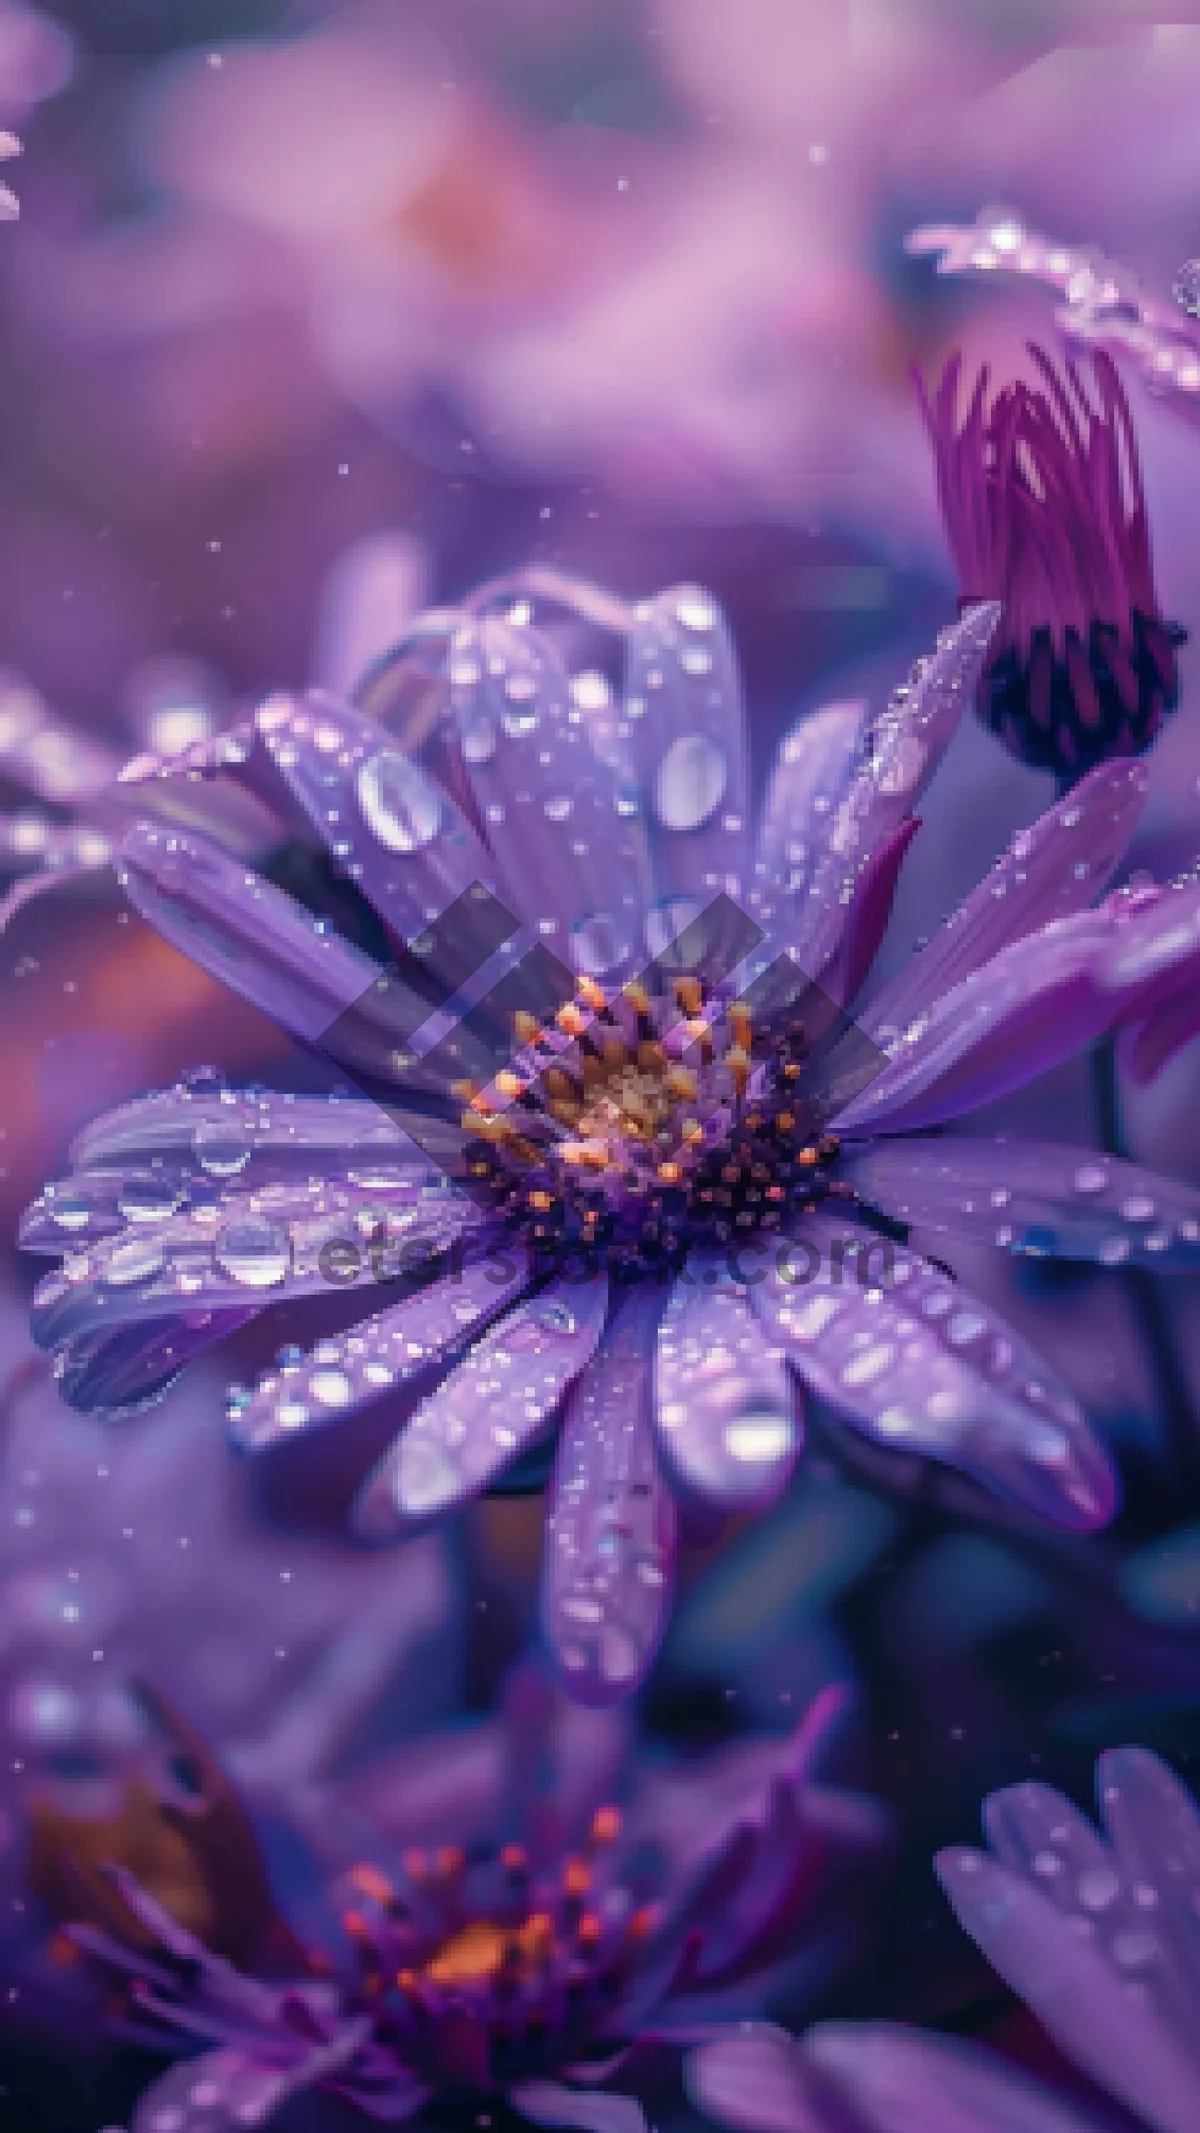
[
  {"x": 728, "y": 1422},
  {"x": 497, "y": 1400},
  {"x": 1155, "y": 1831},
  {"x": 548, "y": 2103},
  {"x": 900, "y": 2080},
  {"x": 757, "y": 2083},
  {"x": 1031, "y": 1196},
  {"x": 1079, "y": 1988},
  {"x": 610, "y": 1524},
  {"x": 1059, "y": 865},
  {"x": 915, "y": 1362}
]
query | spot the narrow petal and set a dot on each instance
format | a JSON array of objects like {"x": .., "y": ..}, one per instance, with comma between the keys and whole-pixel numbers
[
  {"x": 1154, "y": 1827},
  {"x": 903, "y": 751},
  {"x": 550, "y": 808},
  {"x": 1059, "y": 865},
  {"x": 914, "y": 1361},
  {"x": 757, "y": 2083},
  {"x": 242, "y": 930},
  {"x": 381, "y": 1353},
  {"x": 728, "y": 1421},
  {"x": 1145, "y": 1048},
  {"x": 1030, "y": 1007},
  {"x": 903, "y": 2079},
  {"x": 224, "y": 1131},
  {"x": 811, "y": 772},
  {"x": 610, "y": 1527},
  {"x": 388, "y": 825},
  {"x": 1113, "y": 2034},
  {"x": 482, "y": 1417},
  {"x": 688, "y": 753},
  {"x": 548, "y": 2103},
  {"x": 1031, "y": 1196},
  {"x": 191, "y": 1278}
]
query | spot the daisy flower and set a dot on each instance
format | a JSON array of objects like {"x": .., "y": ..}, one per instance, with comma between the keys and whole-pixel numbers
[{"x": 622, "y": 1166}]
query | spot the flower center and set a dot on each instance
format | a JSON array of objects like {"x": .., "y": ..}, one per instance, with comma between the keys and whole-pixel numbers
[{"x": 640, "y": 1127}]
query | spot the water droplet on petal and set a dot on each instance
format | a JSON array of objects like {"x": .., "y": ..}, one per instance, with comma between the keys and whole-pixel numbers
[
  {"x": 690, "y": 782},
  {"x": 558, "y": 807},
  {"x": 253, "y": 1252},
  {"x": 596, "y": 944},
  {"x": 221, "y": 1146},
  {"x": 1090, "y": 1177},
  {"x": 401, "y": 806},
  {"x": 69, "y": 1210},
  {"x": 760, "y": 1438},
  {"x": 477, "y": 737},
  {"x": 695, "y": 610},
  {"x": 140, "y": 1259},
  {"x": 149, "y": 1199}
]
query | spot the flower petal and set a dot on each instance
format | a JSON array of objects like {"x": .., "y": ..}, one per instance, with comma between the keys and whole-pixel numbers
[
  {"x": 610, "y": 1523},
  {"x": 1059, "y": 865},
  {"x": 728, "y": 1421},
  {"x": 901, "y": 2079},
  {"x": 1030, "y": 1196},
  {"x": 757, "y": 2083},
  {"x": 242, "y": 930},
  {"x": 1113, "y": 2034},
  {"x": 111, "y": 1308},
  {"x": 386, "y": 822},
  {"x": 492, "y": 1405},
  {"x": 687, "y": 753},
  {"x": 548, "y": 2103},
  {"x": 380, "y": 1353},
  {"x": 811, "y": 772},
  {"x": 1031, "y": 1006},
  {"x": 903, "y": 751},
  {"x": 915, "y": 1362},
  {"x": 1154, "y": 1828},
  {"x": 548, "y": 805},
  {"x": 240, "y": 1129}
]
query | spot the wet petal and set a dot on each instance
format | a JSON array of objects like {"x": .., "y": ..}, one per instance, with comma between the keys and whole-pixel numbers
[
  {"x": 197, "y": 1124},
  {"x": 1030, "y": 1007},
  {"x": 551, "y": 810},
  {"x": 756, "y": 2083},
  {"x": 687, "y": 753},
  {"x": 1030, "y": 1196},
  {"x": 1145, "y": 1048},
  {"x": 242, "y": 930},
  {"x": 1075, "y": 1990},
  {"x": 916, "y": 1362},
  {"x": 1153, "y": 1824},
  {"x": 903, "y": 751},
  {"x": 902, "y": 2079},
  {"x": 810, "y": 775},
  {"x": 385, "y": 821},
  {"x": 187, "y": 1280},
  {"x": 728, "y": 1420},
  {"x": 1059, "y": 865},
  {"x": 494, "y": 1404},
  {"x": 1154, "y": 953},
  {"x": 610, "y": 1525},
  {"x": 380, "y": 1353}
]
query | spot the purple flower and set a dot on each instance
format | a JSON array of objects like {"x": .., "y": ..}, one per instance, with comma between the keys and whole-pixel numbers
[
  {"x": 1094, "y": 1930},
  {"x": 628, "y": 1231},
  {"x": 1041, "y": 496},
  {"x": 510, "y": 1968}
]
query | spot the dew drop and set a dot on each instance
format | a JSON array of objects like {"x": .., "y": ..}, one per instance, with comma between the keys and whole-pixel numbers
[
  {"x": 140, "y": 1259},
  {"x": 477, "y": 738},
  {"x": 221, "y": 1147},
  {"x": 149, "y": 1199},
  {"x": 253, "y": 1252},
  {"x": 759, "y": 1438},
  {"x": 690, "y": 782},
  {"x": 558, "y": 807},
  {"x": 400, "y": 805},
  {"x": 695, "y": 610},
  {"x": 1090, "y": 1177},
  {"x": 69, "y": 1210}
]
